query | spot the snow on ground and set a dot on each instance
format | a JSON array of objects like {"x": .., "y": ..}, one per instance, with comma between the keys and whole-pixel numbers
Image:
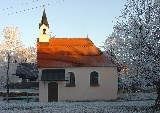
[
  {"x": 127, "y": 103},
  {"x": 77, "y": 107},
  {"x": 138, "y": 96}
]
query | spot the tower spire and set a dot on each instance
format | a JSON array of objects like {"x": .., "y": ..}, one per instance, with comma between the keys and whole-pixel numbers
[
  {"x": 44, "y": 20},
  {"x": 44, "y": 35}
]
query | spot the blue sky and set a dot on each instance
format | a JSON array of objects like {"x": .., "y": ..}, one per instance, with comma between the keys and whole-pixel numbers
[{"x": 68, "y": 18}]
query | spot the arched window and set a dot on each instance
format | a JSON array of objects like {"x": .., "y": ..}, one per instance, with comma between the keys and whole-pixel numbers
[
  {"x": 94, "y": 78},
  {"x": 70, "y": 79}
]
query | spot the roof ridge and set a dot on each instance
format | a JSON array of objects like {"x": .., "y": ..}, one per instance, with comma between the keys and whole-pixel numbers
[
  {"x": 70, "y": 38},
  {"x": 71, "y": 42}
]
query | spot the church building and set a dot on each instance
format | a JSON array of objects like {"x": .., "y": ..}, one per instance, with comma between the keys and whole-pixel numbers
[{"x": 73, "y": 69}]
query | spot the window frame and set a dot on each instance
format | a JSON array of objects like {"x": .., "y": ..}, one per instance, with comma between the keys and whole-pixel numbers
[
  {"x": 70, "y": 79},
  {"x": 94, "y": 79}
]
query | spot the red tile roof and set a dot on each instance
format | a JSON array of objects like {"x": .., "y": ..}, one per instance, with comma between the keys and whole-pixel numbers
[{"x": 70, "y": 52}]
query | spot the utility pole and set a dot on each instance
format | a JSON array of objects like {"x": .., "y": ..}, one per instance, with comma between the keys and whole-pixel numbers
[{"x": 7, "y": 80}]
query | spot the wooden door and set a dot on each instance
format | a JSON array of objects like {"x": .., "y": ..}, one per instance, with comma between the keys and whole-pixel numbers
[{"x": 52, "y": 91}]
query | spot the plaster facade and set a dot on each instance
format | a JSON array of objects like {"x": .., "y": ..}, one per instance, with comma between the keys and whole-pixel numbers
[
  {"x": 82, "y": 91},
  {"x": 44, "y": 37}
]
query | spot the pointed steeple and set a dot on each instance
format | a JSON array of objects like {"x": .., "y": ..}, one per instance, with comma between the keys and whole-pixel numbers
[
  {"x": 44, "y": 20},
  {"x": 44, "y": 34}
]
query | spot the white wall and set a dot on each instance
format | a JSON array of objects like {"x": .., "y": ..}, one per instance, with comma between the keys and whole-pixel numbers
[
  {"x": 44, "y": 37},
  {"x": 107, "y": 89},
  {"x": 43, "y": 91}
]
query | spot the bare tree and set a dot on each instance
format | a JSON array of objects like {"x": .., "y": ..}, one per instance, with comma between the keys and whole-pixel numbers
[
  {"x": 137, "y": 37},
  {"x": 13, "y": 52},
  {"x": 10, "y": 45}
]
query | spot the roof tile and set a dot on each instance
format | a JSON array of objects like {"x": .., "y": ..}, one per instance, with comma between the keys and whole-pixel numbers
[{"x": 70, "y": 52}]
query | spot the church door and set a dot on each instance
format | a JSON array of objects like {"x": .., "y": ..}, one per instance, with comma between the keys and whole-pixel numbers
[{"x": 52, "y": 91}]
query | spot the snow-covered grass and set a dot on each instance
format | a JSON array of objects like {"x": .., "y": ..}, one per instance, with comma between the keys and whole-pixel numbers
[
  {"x": 138, "y": 96},
  {"x": 77, "y": 107},
  {"x": 128, "y": 103}
]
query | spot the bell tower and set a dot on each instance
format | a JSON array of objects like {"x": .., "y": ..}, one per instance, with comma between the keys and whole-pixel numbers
[{"x": 44, "y": 29}]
